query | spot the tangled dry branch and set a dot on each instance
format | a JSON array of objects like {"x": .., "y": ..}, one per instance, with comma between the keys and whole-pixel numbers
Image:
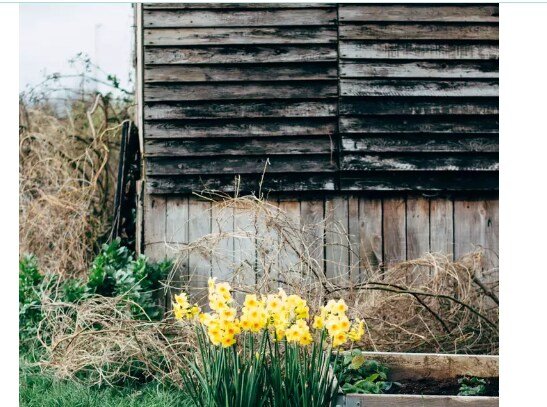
[{"x": 428, "y": 304}]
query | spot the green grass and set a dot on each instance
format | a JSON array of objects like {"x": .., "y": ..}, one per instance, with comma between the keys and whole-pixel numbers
[{"x": 39, "y": 390}]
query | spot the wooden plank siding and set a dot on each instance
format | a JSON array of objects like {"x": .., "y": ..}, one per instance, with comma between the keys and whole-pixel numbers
[
  {"x": 241, "y": 89},
  {"x": 418, "y": 100},
  {"x": 319, "y": 97},
  {"x": 348, "y": 237},
  {"x": 380, "y": 120}
]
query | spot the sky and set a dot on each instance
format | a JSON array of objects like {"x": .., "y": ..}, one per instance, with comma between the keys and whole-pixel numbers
[{"x": 52, "y": 33}]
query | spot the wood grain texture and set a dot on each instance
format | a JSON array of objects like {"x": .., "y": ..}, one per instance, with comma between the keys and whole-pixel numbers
[
  {"x": 199, "y": 264},
  {"x": 238, "y": 18},
  {"x": 422, "y": 12},
  {"x": 230, "y": 91},
  {"x": 417, "y": 50},
  {"x": 476, "y": 181},
  {"x": 419, "y": 162},
  {"x": 370, "y": 236},
  {"x": 222, "y": 225},
  {"x": 239, "y": 165},
  {"x": 228, "y": 6},
  {"x": 431, "y": 143},
  {"x": 336, "y": 241},
  {"x": 417, "y": 235},
  {"x": 476, "y": 227},
  {"x": 253, "y": 183},
  {"x": 176, "y": 219},
  {"x": 357, "y": 229},
  {"x": 243, "y": 72},
  {"x": 240, "y": 35},
  {"x": 406, "y": 400},
  {"x": 311, "y": 221},
  {"x": 240, "y": 54},
  {"x": 444, "y": 31},
  {"x": 420, "y": 124},
  {"x": 361, "y": 106},
  {"x": 394, "y": 228},
  {"x": 249, "y": 128},
  {"x": 262, "y": 146},
  {"x": 154, "y": 227},
  {"x": 407, "y": 87},
  {"x": 441, "y": 218},
  {"x": 420, "y": 69},
  {"x": 236, "y": 109},
  {"x": 354, "y": 238}
]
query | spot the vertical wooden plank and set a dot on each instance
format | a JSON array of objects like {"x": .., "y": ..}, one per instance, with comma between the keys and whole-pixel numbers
[
  {"x": 154, "y": 227},
  {"x": 139, "y": 71},
  {"x": 289, "y": 259},
  {"x": 267, "y": 246},
  {"x": 491, "y": 243},
  {"x": 336, "y": 241},
  {"x": 354, "y": 238},
  {"x": 245, "y": 246},
  {"x": 199, "y": 262},
  {"x": 417, "y": 233},
  {"x": 370, "y": 236},
  {"x": 222, "y": 225},
  {"x": 177, "y": 236},
  {"x": 476, "y": 225},
  {"x": 394, "y": 221},
  {"x": 139, "y": 249},
  {"x": 154, "y": 233},
  {"x": 441, "y": 220},
  {"x": 312, "y": 223}
]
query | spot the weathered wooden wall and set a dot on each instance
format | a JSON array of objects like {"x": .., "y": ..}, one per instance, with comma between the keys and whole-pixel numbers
[
  {"x": 345, "y": 101},
  {"x": 333, "y": 97},
  {"x": 380, "y": 230}
]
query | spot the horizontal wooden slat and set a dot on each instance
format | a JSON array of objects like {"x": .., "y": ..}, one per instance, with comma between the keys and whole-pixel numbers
[
  {"x": 226, "y": 6},
  {"x": 230, "y": 91},
  {"x": 408, "y": 87},
  {"x": 419, "y": 162},
  {"x": 246, "y": 72},
  {"x": 415, "y": 12},
  {"x": 418, "y": 106},
  {"x": 445, "y": 31},
  {"x": 244, "y": 35},
  {"x": 219, "y": 128},
  {"x": 413, "y": 400},
  {"x": 420, "y": 124},
  {"x": 420, "y": 69},
  {"x": 239, "y": 54},
  {"x": 245, "y": 109},
  {"x": 436, "y": 366},
  {"x": 419, "y": 143},
  {"x": 239, "y": 147},
  {"x": 239, "y": 165},
  {"x": 420, "y": 181},
  {"x": 236, "y": 18},
  {"x": 417, "y": 50},
  {"x": 247, "y": 183}
]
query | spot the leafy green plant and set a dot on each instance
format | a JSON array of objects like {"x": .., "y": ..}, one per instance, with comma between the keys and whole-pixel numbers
[
  {"x": 472, "y": 386},
  {"x": 356, "y": 374},
  {"x": 114, "y": 272},
  {"x": 30, "y": 313}
]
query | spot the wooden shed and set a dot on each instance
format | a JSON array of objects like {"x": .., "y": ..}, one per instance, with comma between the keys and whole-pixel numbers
[{"x": 381, "y": 117}]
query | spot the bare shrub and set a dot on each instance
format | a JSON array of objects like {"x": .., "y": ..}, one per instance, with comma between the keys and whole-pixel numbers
[{"x": 68, "y": 153}]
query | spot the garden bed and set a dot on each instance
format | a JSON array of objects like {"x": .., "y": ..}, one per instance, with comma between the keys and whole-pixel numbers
[{"x": 429, "y": 380}]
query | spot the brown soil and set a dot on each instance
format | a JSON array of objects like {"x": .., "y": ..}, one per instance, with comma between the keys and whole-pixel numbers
[{"x": 448, "y": 387}]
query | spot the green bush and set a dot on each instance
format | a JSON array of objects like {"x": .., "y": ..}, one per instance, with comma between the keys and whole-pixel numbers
[{"x": 114, "y": 272}]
